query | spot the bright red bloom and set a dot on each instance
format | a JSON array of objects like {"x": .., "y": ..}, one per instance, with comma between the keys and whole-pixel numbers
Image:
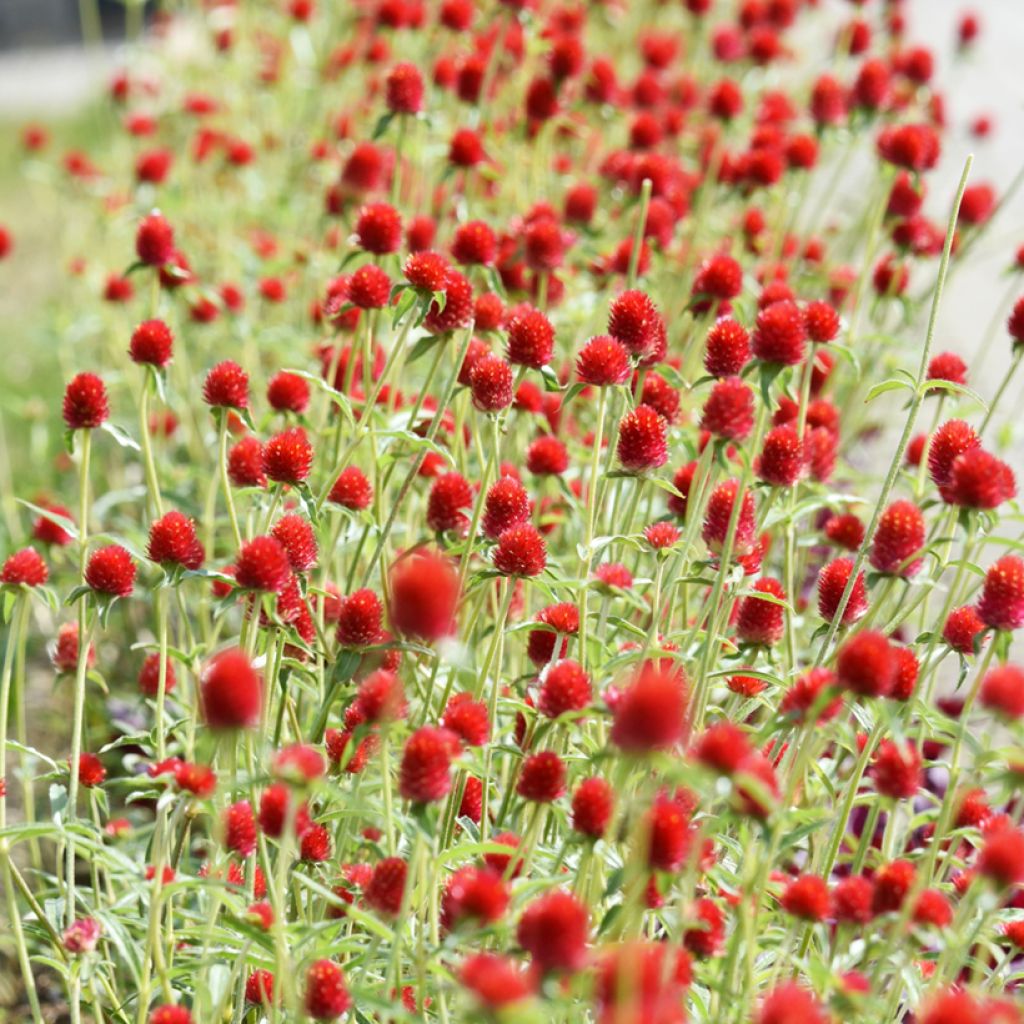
[
  {"x": 914, "y": 147},
  {"x": 953, "y": 1006},
  {"x": 718, "y": 515},
  {"x": 288, "y": 456},
  {"x": 1002, "y": 856},
  {"x": 705, "y": 940},
  {"x": 450, "y": 499},
  {"x": 961, "y": 629},
  {"x": 154, "y": 240},
  {"x": 790, "y": 1003},
  {"x": 47, "y": 530},
  {"x": 760, "y": 621},
  {"x": 379, "y": 228},
  {"x": 426, "y": 271},
  {"x": 729, "y": 410},
  {"x": 779, "y": 334},
  {"x": 806, "y": 897},
  {"x": 424, "y": 595},
  {"x": 853, "y": 899},
  {"x": 547, "y": 456},
  {"x": 494, "y": 980},
  {"x": 727, "y": 348},
  {"x": 425, "y": 773},
  {"x": 386, "y": 886},
  {"x": 897, "y": 770},
  {"x": 24, "y": 568},
  {"x": 263, "y": 564},
  {"x": 111, "y": 571},
  {"x": 507, "y": 505},
  {"x": 380, "y": 698},
  {"x": 821, "y": 321},
  {"x": 352, "y": 490},
  {"x": 892, "y": 883},
  {"x": 327, "y": 997},
  {"x": 227, "y": 386},
  {"x": 369, "y": 287},
  {"x": 404, "y": 89},
  {"x": 782, "y": 461},
  {"x": 152, "y": 343},
  {"x": 899, "y": 537},
  {"x": 359, "y": 619},
  {"x": 490, "y": 383},
  {"x": 650, "y": 714},
  {"x": 566, "y": 687},
  {"x": 474, "y": 244},
  {"x": 149, "y": 675},
  {"x": 259, "y": 988},
  {"x": 846, "y": 530},
  {"x": 806, "y": 694},
  {"x": 91, "y": 772},
  {"x": 245, "y": 463},
  {"x": 979, "y": 479},
  {"x": 170, "y": 1014},
  {"x": 866, "y": 664},
  {"x": 468, "y": 719},
  {"x": 603, "y": 361},
  {"x": 1002, "y": 690},
  {"x": 634, "y": 320},
  {"x": 288, "y": 392},
  {"x": 173, "y": 541},
  {"x": 531, "y": 338},
  {"x": 643, "y": 440},
  {"x": 719, "y": 277},
  {"x": 643, "y": 983},
  {"x": 832, "y": 581},
  {"x": 1001, "y": 605},
  {"x": 240, "y": 828},
  {"x": 565, "y": 621},
  {"x": 231, "y": 691},
  {"x": 722, "y": 747},
  {"x": 479, "y": 895},
  {"x": 554, "y": 930},
  {"x": 295, "y": 535},
  {"x": 542, "y": 777},
  {"x": 951, "y": 439},
  {"x": 85, "y": 402},
  {"x": 592, "y": 805},
  {"x": 520, "y": 551},
  {"x": 458, "y": 305}
]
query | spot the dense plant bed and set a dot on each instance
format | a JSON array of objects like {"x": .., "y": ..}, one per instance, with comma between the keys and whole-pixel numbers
[{"x": 514, "y": 551}]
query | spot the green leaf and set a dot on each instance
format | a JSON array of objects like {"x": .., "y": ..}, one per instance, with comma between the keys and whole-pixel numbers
[
  {"x": 121, "y": 436},
  {"x": 892, "y": 384}
]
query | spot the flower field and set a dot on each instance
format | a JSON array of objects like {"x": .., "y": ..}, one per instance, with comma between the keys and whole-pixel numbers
[{"x": 507, "y": 543}]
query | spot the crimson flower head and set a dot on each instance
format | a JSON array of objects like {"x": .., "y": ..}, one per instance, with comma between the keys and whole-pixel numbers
[
  {"x": 458, "y": 308},
  {"x": 832, "y": 582},
  {"x": 24, "y": 568},
  {"x": 807, "y": 897},
  {"x": 425, "y": 772},
  {"x": 979, "y": 479},
  {"x": 592, "y": 805},
  {"x": 91, "y": 772},
  {"x": 950, "y": 440},
  {"x": 867, "y": 664},
  {"x": 475, "y": 244},
  {"x": 719, "y": 514},
  {"x": 379, "y": 228},
  {"x": 899, "y": 537},
  {"x": 507, "y": 504},
  {"x": 661, "y": 535},
  {"x": 263, "y": 565},
  {"x": 48, "y": 531},
  {"x": 288, "y": 456},
  {"x": 547, "y": 456},
  {"x": 245, "y": 463},
  {"x": 531, "y": 338},
  {"x": 85, "y": 402},
  {"x": 782, "y": 462},
  {"x": 227, "y": 386},
  {"x": 327, "y": 998},
  {"x": 1002, "y": 856},
  {"x": 821, "y": 321},
  {"x": 466, "y": 148},
  {"x": 173, "y": 541},
  {"x": 288, "y": 392},
  {"x": 403, "y": 89},
  {"x": 729, "y": 410},
  {"x": 111, "y": 571},
  {"x": 352, "y": 490},
  {"x": 170, "y": 1014},
  {"x": 790, "y": 1003},
  {"x": 520, "y": 551},
  {"x": 231, "y": 691},
  {"x": 1002, "y": 691},
  {"x": 566, "y": 687},
  {"x": 542, "y": 777},
  {"x": 424, "y": 595},
  {"x": 554, "y": 929},
  {"x": 603, "y": 361},
  {"x": 154, "y": 240},
  {"x": 369, "y": 287},
  {"x": 762, "y": 621},
  {"x": 719, "y": 277},
  {"x": 152, "y": 343},
  {"x": 961, "y": 628},
  {"x": 426, "y": 271},
  {"x": 359, "y": 619},
  {"x": 780, "y": 335},
  {"x": 643, "y": 440},
  {"x": 634, "y": 320},
  {"x": 494, "y": 980},
  {"x": 727, "y": 348},
  {"x": 650, "y": 714},
  {"x": 490, "y": 383},
  {"x": 295, "y": 534},
  {"x": 564, "y": 620},
  {"x": 1001, "y": 605},
  {"x": 896, "y": 770}
]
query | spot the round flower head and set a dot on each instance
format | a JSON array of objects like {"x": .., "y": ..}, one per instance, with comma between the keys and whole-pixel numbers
[
  {"x": 359, "y": 619},
  {"x": 295, "y": 534},
  {"x": 424, "y": 594},
  {"x": 154, "y": 240},
  {"x": 947, "y": 366},
  {"x": 650, "y": 714},
  {"x": 789, "y": 1003},
  {"x": 978, "y": 479},
  {"x": 719, "y": 277},
  {"x": 867, "y": 664},
  {"x": 425, "y": 772},
  {"x": 152, "y": 343},
  {"x": 729, "y": 410},
  {"x": 781, "y": 462},
  {"x": 474, "y": 244},
  {"x": 634, "y": 321},
  {"x": 761, "y": 621},
  {"x": 547, "y": 456},
  {"x": 554, "y": 930},
  {"x": 592, "y": 805},
  {"x": 643, "y": 440},
  {"x": 1002, "y": 857},
  {"x": 821, "y": 321},
  {"x": 450, "y": 499},
  {"x": 542, "y": 777},
  {"x": 1001, "y": 605},
  {"x": 662, "y": 535},
  {"x": 227, "y": 386},
  {"x": 566, "y": 687},
  {"x": 369, "y": 287},
  {"x": 507, "y": 505},
  {"x": 288, "y": 456},
  {"x": 379, "y": 229},
  {"x": 352, "y": 490},
  {"x": 564, "y": 620},
  {"x": 231, "y": 692},
  {"x": 962, "y": 628},
  {"x": 245, "y": 463},
  {"x": 173, "y": 541},
  {"x": 897, "y": 770},
  {"x": 426, "y": 271},
  {"x": 520, "y": 551},
  {"x": 1002, "y": 691},
  {"x": 170, "y": 1014},
  {"x": 85, "y": 402},
  {"x": 468, "y": 719},
  {"x": 603, "y": 361},
  {"x": 951, "y": 439},
  {"x": 899, "y": 537},
  {"x": 832, "y": 581},
  {"x": 727, "y": 348},
  {"x": 718, "y": 515},
  {"x": 48, "y": 530},
  {"x": 490, "y": 383},
  {"x": 24, "y": 568},
  {"x": 404, "y": 89},
  {"x": 458, "y": 305},
  {"x": 262, "y": 564},
  {"x": 531, "y": 338},
  {"x": 326, "y": 998},
  {"x": 780, "y": 334},
  {"x": 806, "y": 897},
  {"x": 149, "y": 675},
  {"x": 111, "y": 571}
]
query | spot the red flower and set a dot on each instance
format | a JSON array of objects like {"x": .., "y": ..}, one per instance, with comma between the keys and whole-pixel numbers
[
  {"x": 718, "y": 515},
  {"x": 404, "y": 89},
  {"x": 379, "y": 228},
  {"x": 154, "y": 240},
  {"x": 227, "y": 386},
  {"x": 953, "y": 1006},
  {"x": 951, "y": 439},
  {"x": 650, "y": 714},
  {"x": 474, "y": 244},
  {"x": 24, "y": 568},
  {"x": 425, "y": 772},
  {"x": 380, "y": 698},
  {"x": 603, "y": 361},
  {"x": 727, "y": 348},
  {"x": 369, "y": 287},
  {"x": 351, "y": 490},
  {"x": 149, "y": 675},
  {"x": 1002, "y": 856},
  {"x": 565, "y": 621},
  {"x": 853, "y": 899},
  {"x": 899, "y": 537},
  {"x": 634, "y": 320},
  {"x": 897, "y": 770},
  {"x": 892, "y": 883},
  {"x": 259, "y": 988},
  {"x": 789, "y": 1003},
  {"x": 520, "y": 551},
  {"x": 705, "y": 940},
  {"x": 474, "y": 894},
  {"x": 490, "y": 383},
  {"x": 359, "y": 619},
  {"x": 173, "y": 541},
  {"x": 914, "y": 147},
  {"x": 592, "y": 807},
  {"x": 424, "y": 595},
  {"x": 846, "y": 530},
  {"x": 170, "y": 1014},
  {"x": 832, "y": 582},
  {"x": 327, "y": 997},
  {"x": 643, "y": 440},
  {"x": 49, "y": 531},
  {"x": 805, "y": 695},
  {"x": 240, "y": 828},
  {"x": 295, "y": 535},
  {"x": 779, "y": 334},
  {"x": 547, "y": 456},
  {"x": 978, "y": 479},
  {"x": 1002, "y": 690},
  {"x": 722, "y": 747},
  {"x": 729, "y": 410},
  {"x": 245, "y": 463},
  {"x": 426, "y": 271},
  {"x": 458, "y": 305},
  {"x": 961, "y": 629},
  {"x": 494, "y": 980},
  {"x": 198, "y": 779},
  {"x": 111, "y": 571},
  {"x": 760, "y": 621},
  {"x": 542, "y": 777},
  {"x": 231, "y": 692},
  {"x": 821, "y": 321},
  {"x": 152, "y": 343},
  {"x": 1001, "y": 605},
  {"x": 288, "y": 456},
  {"x": 263, "y": 564},
  {"x": 719, "y": 277},
  {"x": 806, "y": 897},
  {"x": 566, "y": 687},
  {"x": 386, "y": 887},
  {"x": 531, "y": 338},
  {"x": 507, "y": 505},
  {"x": 662, "y": 535},
  {"x": 554, "y": 930},
  {"x": 866, "y": 664},
  {"x": 782, "y": 461},
  {"x": 90, "y": 770},
  {"x": 85, "y": 402},
  {"x": 643, "y": 982},
  {"x": 468, "y": 719}
]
